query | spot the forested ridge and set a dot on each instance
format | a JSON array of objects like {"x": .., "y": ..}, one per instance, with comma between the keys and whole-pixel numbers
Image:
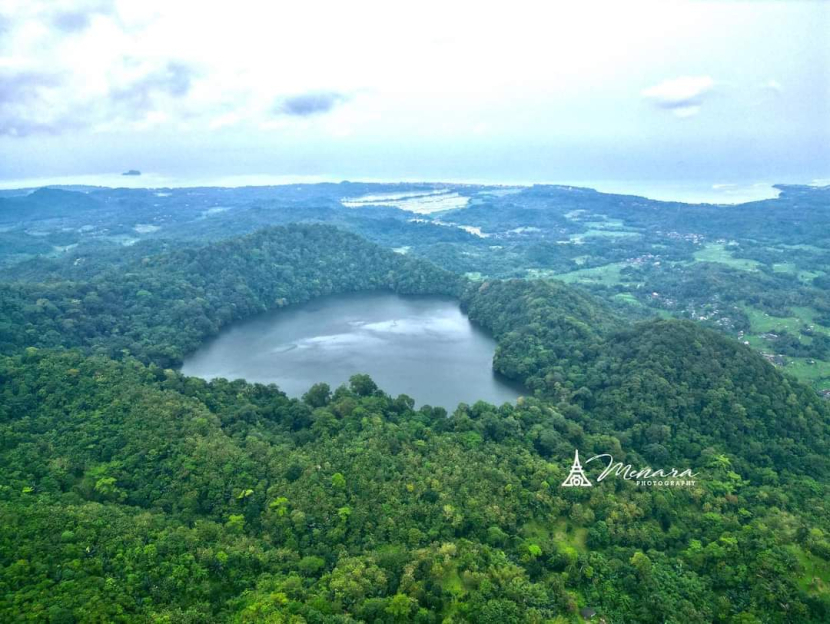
[
  {"x": 672, "y": 387},
  {"x": 159, "y": 307},
  {"x": 133, "y": 493}
]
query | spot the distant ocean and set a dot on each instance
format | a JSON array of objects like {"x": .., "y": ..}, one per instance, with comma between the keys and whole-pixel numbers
[
  {"x": 693, "y": 192},
  {"x": 716, "y": 192}
]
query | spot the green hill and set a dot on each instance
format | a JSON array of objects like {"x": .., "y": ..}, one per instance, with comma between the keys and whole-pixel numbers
[
  {"x": 132, "y": 493},
  {"x": 159, "y": 307}
]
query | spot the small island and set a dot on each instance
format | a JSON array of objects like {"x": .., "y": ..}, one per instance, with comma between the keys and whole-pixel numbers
[{"x": 132, "y": 172}]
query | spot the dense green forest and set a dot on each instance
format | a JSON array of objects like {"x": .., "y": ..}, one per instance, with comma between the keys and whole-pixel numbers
[
  {"x": 756, "y": 271},
  {"x": 159, "y": 307},
  {"x": 130, "y": 492}
]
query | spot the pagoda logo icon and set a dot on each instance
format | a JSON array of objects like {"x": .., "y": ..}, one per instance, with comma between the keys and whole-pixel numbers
[
  {"x": 644, "y": 477},
  {"x": 577, "y": 477}
]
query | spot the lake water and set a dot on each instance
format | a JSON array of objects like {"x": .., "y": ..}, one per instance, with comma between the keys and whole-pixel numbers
[{"x": 424, "y": 347}]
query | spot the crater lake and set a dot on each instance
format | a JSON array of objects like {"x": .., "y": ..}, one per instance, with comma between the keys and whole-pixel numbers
[{"x": 421, "y": 346}]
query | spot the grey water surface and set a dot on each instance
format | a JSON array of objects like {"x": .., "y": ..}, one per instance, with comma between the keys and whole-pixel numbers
[{"x": 421, "y": 346}]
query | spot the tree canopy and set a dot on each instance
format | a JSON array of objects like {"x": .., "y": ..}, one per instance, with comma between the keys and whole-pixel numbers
[{"x": 130, "y": 492}]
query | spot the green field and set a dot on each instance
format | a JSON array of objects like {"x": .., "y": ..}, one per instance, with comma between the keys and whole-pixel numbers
[
  {"x": 817, "y": 373},
  {"x": 761, "y": 322},
  {"x": 810, "y": 370},
  {"x": 718, "y": 252},
  {"x": 627, "y": 298},
  {"x": 597, "y": 233},
  {"x": 803, "y": 318},
  {"x": 563, "y": 533},
  {"x": 816, "y": 572},
  {"x": 802, "y": 275},
  {"x": 605, "y": 275}
]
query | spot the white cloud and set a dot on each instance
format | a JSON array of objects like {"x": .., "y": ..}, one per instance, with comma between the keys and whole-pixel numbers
[
  {"x": 119, "y": 60},
  {"x": 773, "y": 85},
  {"x": 223, "y": 121},
  {"x": 454, "y": 88},
  {"x": 686, "y": 111},
  {"x": 679, "y": 91},
  {"x": 683, "y": 96}
]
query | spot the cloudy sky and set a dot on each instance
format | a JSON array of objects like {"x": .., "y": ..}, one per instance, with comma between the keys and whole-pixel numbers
[{"x": 718, "y": 92}]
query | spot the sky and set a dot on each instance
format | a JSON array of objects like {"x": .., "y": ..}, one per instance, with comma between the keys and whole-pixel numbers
[{"x": 726, "y": 94}]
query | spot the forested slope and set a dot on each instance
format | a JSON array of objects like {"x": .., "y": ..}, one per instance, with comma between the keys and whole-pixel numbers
[
  {"x": 132, "y": 493},
  {"x": 159, "y": 307},
  {"x": 668, "y": 388},
  {"x": 542, "y": 327}
]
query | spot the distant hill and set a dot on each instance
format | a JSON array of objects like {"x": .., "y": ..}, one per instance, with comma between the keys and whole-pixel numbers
[{"x": 46, "y": 203}]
